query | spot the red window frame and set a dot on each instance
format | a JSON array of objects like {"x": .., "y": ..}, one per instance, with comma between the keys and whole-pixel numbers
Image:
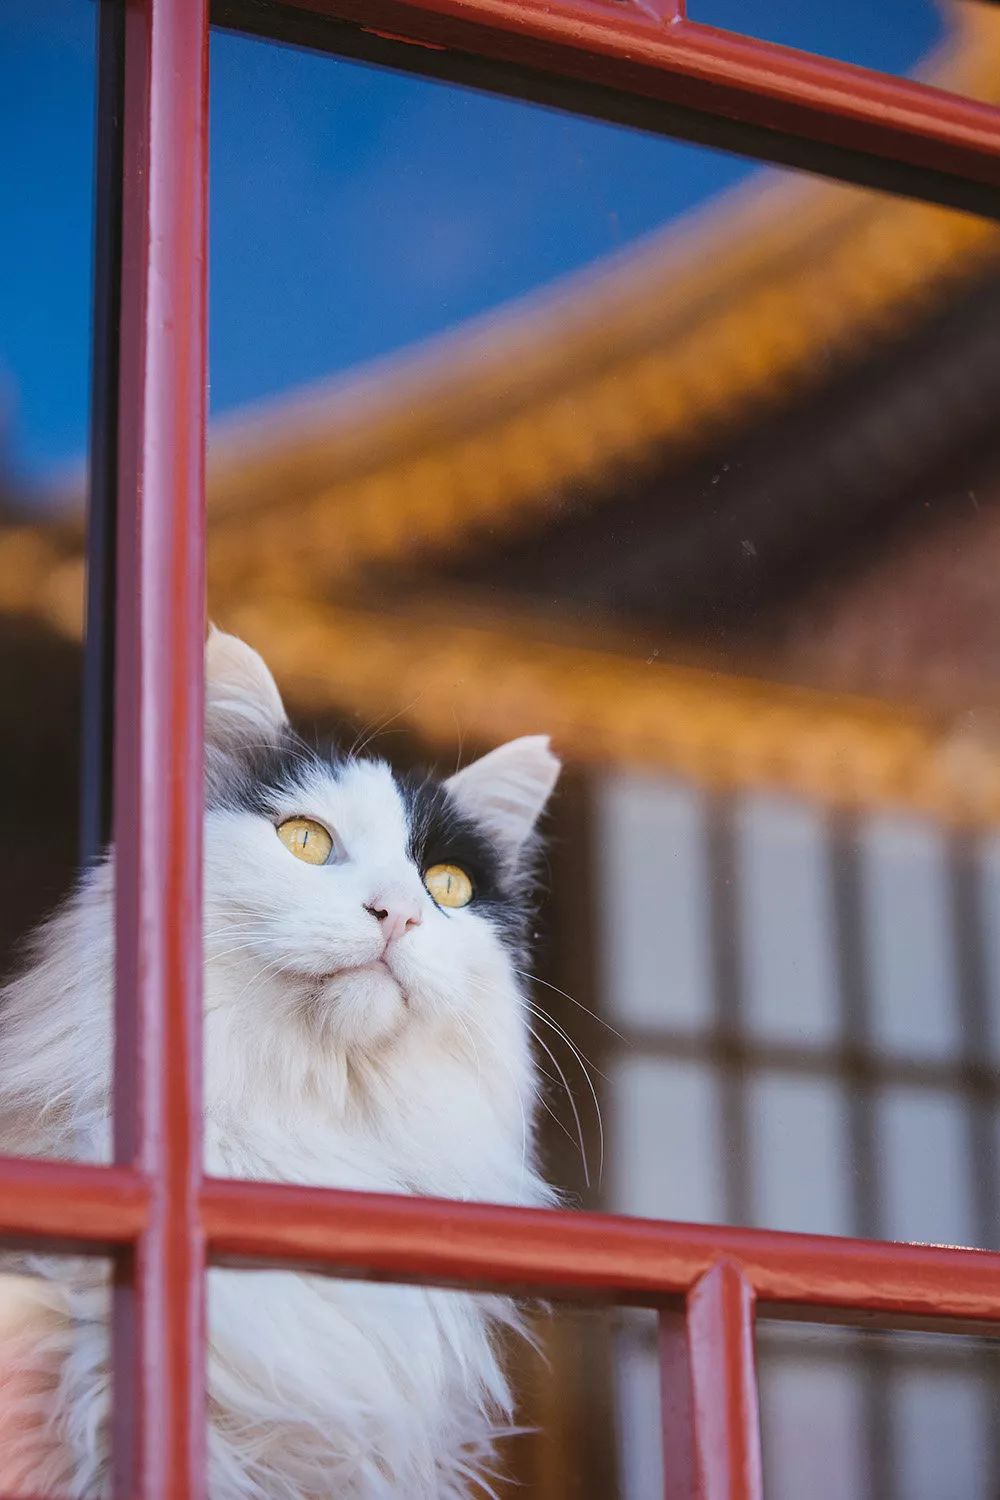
[{"x": 153, "y": 1212}]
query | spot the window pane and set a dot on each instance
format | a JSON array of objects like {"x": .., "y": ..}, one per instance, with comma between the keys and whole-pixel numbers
[
  {"x": 897, "y": 36},
  {"x": 47, "y": 56},
  {"x": 415, "y": 243},
  {"x": 914, "y": 974},
  {"x": 802, "y": 1166},
  {"x": 571, "y": 1394},
  {"x": 812, "y": 1420},
  {"x": 54, "y": 1375},
  {"x": 929, "y": 1166},
  {"x": 664, "y": 1123},
  {"x": 655, "y": 935},
  {"x": 47, "y": 109},
  {"x": 786, "y": 921},
  {"x": 688, "y": 464},
  {"x": 986, "y": 913},
  {"x": 872, "y": 1416}
]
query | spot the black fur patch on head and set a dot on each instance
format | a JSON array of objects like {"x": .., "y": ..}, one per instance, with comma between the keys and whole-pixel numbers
[
  {"x": 442, "y": 833},
  {"x": 252, "y": 778}
]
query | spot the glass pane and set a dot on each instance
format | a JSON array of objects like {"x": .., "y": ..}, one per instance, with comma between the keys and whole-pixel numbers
[
  {"x": 47, "y": 55},
  {"x": 397, "y": 1386},
  {"x": 414, "y": 242},
  {"x": 692, "y": 465},
  {"x": 54, "y": 1376},
  {"x": 871, "y": 1416},
  {"x": 47, "y": 108},
  {"x": 896, "y": 36}
]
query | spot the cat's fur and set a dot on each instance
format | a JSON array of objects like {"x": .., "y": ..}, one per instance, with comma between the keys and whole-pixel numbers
[{"x": 418, "y": 1080}]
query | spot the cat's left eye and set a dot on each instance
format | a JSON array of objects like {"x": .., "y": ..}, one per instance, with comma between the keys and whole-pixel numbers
[
  {"x": 449, "y": 885},
  {"x": 306, "y": 839}
]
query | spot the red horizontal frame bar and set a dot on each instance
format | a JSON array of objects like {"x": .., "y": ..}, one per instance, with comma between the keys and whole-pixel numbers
[
  {"x": 585, "y": 1254},
  {"x": 72, "y": 1206},
  {"x": 627, "y": 48},
  {"x": 391, "y": 1237}
]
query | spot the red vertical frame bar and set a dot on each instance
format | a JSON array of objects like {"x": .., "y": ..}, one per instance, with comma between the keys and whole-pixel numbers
[
  {"x": 711, "y": 1419},
  {"x": 159, "y": 1327}
]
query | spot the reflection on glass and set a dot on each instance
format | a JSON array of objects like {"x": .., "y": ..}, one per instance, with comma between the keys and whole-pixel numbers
[
  {"x": 55, "y": 1361},
  {"x": 893, "y": 36},
  {"x": 870, "y": 1416},
  {"x": 397, "y": 237},
  {"x": 575, "y": 1414},
  {"x": 694, "y": 466},
  {"x": 47, "y": 59}
]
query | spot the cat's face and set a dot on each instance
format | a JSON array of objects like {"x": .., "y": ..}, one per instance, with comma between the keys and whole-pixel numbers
[{"x": 360, "y": 901}]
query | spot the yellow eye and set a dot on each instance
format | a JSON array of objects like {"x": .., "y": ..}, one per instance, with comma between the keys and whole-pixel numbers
[
  {"x": 449, "y": 885},
  {"x": 306, "y": 839}
]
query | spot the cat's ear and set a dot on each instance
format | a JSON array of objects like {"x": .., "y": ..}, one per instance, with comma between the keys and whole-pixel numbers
[
  {"x": 507, "y": 789},
  {"x": 242, "y": 702}
]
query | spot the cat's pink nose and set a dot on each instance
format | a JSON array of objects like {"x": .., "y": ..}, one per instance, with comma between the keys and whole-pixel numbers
[{"x": 396, "y": 915}]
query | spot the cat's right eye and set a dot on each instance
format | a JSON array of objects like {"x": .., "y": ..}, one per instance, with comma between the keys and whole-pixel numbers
[
  {"x": 306, "y": 839},
  {"x": 449, "y": 885}
]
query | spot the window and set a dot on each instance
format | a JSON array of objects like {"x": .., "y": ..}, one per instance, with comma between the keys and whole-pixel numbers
[{"x": 153, "y": 1211}]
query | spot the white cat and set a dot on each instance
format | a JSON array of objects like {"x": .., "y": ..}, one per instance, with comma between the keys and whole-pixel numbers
[{"x": 364, "y": 1028}]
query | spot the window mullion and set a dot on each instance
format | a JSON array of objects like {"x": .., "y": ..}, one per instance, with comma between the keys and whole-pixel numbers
[
  {"x": 709, "y": 1378},
  {"x": 159, "y": 1325}
]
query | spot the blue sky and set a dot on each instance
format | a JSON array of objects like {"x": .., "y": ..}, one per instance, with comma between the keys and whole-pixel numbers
[{"x": 352, "y": 211}]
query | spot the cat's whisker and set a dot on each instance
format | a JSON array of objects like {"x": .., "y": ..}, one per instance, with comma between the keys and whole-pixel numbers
[
  {"x": 534, "y": 978},
  {"x": 274, "y": 966},
  {"x": 366, "y": 736},
  {"x": 234, "y": 931},
  {"x": 547, "y": 1107},
  {"x": 551, "y": 1112},
  {"x": 303, "y": 757},
  {"x": 585, "y": 1065},
  {"x": 233, "y": 925},
  {"x": 569, "y": 1095},
  {"x": 262, "y": 931},
  {"x": 232, "y": 940},
  {"x": 582, "y": 1060},
  {"x": 461, "y": 741},
  {"x": 550, "y": 1020},
  {"x": 249, "y": 948},
  {"x": 245, "y": 945}
]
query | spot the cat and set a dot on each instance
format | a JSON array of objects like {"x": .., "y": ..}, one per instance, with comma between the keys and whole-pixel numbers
[{"x": 365, "y": 1027}]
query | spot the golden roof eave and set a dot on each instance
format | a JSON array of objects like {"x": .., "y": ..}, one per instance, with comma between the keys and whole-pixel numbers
[
  {"x": 451, "y": 682},
  {"x": 448, "y": 680}
]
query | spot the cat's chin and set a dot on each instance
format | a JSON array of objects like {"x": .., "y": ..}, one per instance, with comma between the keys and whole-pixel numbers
[
  {"x": 366, "y": 1002},
  {"x": 375, "y": 968}
]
